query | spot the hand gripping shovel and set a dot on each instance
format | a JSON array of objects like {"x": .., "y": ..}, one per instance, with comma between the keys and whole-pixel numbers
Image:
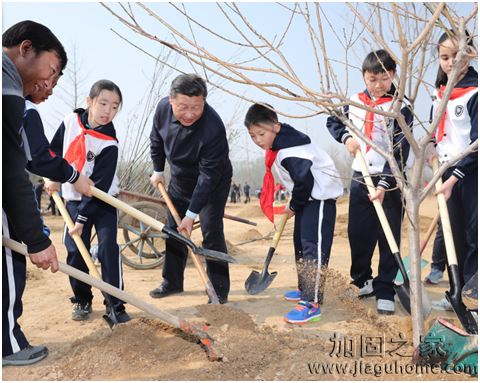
[
  {"x": 127, "y": 209},
  {"x": 464, "y": 316},
  {"x": 206, "y": 340},
  {"x": 113, "y": 318},
  {"x": 198, "y": 264},
  {"x": 403, "y": 290},
  {"x": 256, "y": 283}
]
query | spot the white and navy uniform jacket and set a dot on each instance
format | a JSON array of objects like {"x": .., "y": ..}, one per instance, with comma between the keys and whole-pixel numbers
[
  {"x": 364, "y": 229},
  {"x": 314, "y": 184},
  {"x": 461, "y": 126},
  {"x": 100, "y": 166},
  {"x": 43, "y": 163},
  {"x": 381, "y": 128},
  {"x": 460, "y": 130},
  {"x": 21, "y": 219}
]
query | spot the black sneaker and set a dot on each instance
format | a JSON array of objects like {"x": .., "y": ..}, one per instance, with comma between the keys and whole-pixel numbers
[
  {"x": 26, "y": 356},
  {"x": 221, "y": 300},
  {"x": 81, "y": 311},
  {"x": 161, "y": 292}
]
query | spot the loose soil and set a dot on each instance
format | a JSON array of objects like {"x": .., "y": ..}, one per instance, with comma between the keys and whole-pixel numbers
[{"x": 254, "y": 342}]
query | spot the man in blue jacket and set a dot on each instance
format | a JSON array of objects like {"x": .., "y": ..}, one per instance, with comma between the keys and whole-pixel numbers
[{"x": 190, "y": 135}]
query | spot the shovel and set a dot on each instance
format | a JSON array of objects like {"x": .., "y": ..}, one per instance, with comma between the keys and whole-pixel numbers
[
  {"x": 256, "y": 282},
  {"x": 423, "y": 263},
  {"x": 127, "y": 209},
  {"x": 464, "y": 316},
  {"x": 403, "y": 290},
  {"x": 129, "y": 298},
  {"x": 113, "y": 318},
  {"x": 198, "y": 264}
]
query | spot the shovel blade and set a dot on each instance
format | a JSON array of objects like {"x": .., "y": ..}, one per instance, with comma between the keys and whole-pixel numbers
[
  {"x": 403, "y": 292},
  {"x": 465, "y": 317},
  {"x": 214, "y": 255},
  {"x": 256, "y": 282},
  {"x": 470, "y": 293}
]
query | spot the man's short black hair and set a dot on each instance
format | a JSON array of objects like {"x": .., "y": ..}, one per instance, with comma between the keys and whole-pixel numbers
[
  {"x": 259, "y": 114},
  {"x": 190, "y": 85},
  {"x": 378, "y": 62},
  {"x": 42, "y": 38}
]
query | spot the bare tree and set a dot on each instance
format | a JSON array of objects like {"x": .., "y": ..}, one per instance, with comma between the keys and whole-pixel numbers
[{"x": 264, "y": 66}]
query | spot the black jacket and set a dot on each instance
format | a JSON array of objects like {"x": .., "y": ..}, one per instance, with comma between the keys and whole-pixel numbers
[{"x": 197, "y": 154}]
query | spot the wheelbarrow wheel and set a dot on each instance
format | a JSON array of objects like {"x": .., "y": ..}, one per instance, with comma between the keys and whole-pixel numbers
[{"x": 144, "y": 246}]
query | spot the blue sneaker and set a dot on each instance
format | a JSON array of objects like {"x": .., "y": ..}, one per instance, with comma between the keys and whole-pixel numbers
[
  {"x": 293, "y": 296},
  {"x": 435, "y": 276},
  {"x": 304, "y": 313}
]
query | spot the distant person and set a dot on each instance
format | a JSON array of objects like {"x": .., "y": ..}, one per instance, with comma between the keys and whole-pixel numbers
[
  {"x": 246, "y": 192},
  {"x": 310, "y": 176},
  {"x": 31, "y": 57},
  {"x": 239, "y": 193},
  {"x": 258, "y": 192},
  {"x": 39, "y": 193},
  {"x": 233, "y": 193},
  {"x": 457, "y": 130},
  {"x": 364, "y": 228},
  {"x": 189, "y": 134},
  {"x": 87, "y": 140}
]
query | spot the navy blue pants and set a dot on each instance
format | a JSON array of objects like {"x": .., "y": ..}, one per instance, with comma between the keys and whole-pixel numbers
[
  {"x": 14, "y": 276},
  {"x": 463, "y": 212},
  {"x": 105, "y": 221},
  {"x": 365, "y": 231},
  {"x": 312, "y": 240},
  {"x": 211, "y": 220}
]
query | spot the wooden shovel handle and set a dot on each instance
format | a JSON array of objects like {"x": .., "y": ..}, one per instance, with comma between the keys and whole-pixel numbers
[
  {"x": 376, "y": 203},
  {"x": 196, "y": 260},
  {"x": 429, "y": 232},
  {"x": 278, "y": 234},
  {"x": 76, "y": 237},
  {"x": 446, "y": 226}
]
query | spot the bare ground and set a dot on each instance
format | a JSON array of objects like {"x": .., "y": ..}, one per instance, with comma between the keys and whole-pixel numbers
[{"x": 255, "y": 344}]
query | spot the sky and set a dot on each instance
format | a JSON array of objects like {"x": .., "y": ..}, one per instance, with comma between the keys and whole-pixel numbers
[{"x": 90, "y": 28}]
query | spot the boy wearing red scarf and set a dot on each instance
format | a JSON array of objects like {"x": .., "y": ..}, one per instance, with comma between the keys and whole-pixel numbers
[
  {"x": 309, "y": 175},
  {"x": 364, "y": 229}
]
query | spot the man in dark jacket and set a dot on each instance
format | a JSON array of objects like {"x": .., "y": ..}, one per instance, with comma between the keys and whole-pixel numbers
[
  {"x": 31, "y": 57},
  {"x": 190, "y": 135}
]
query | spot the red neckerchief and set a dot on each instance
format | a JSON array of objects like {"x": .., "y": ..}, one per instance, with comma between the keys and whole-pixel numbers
[
  {"x": 369, "y": 115},
  {"x": 267, "y": 196},
  {"x": 76, "y": 151},
  {"x": 456, "y": 93}
]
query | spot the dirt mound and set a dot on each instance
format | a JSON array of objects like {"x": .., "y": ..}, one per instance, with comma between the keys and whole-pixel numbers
[
  {"x": 425, "y": 223},
  {"x": 221, "y": 315},
  {"x": 232, "y": 249},
  {"x": 248, "y": 235},
  {"x": 252, "y": 211}
]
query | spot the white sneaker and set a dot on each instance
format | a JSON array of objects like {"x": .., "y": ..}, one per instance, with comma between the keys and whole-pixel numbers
[
  {"x": 443, "y": 305},
  {"x": 385, "y": 306},
  {"x": 367, "y": 290}
]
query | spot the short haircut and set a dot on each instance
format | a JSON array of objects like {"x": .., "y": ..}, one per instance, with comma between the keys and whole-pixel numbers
[
  {"x": 259, "y": 114},
  {"x": 42, "y": 38},
  {"x": 190, "y": 85},
  {"x": 378, "y": 62}
]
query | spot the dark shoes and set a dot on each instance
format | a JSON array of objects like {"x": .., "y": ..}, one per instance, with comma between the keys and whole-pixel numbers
[
  {"x": 221, "y": 300},
  {"x": 81, "y": 311},
  {"x": 26, "y": 356},
  {"x": 161, "y": 292}
]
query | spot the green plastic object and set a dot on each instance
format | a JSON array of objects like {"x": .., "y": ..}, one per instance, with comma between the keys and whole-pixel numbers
[
  {"x": 449, "y": 348},
  {"x": 399, "y": 277}
]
